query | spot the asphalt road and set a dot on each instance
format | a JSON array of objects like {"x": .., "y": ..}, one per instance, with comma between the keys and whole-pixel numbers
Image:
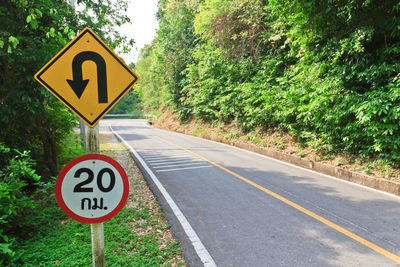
[{"x": 249, "y": 210}]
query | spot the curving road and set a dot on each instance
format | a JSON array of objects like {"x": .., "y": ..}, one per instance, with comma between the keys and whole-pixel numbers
[{"x": 231, "y": 207}]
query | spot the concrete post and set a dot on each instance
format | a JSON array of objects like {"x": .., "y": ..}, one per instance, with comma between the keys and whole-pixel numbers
[{"x": 92, "y": 145}]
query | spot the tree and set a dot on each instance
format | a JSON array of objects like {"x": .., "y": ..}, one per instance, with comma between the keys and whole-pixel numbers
[
  {"x": 174, "y": 43},
  {"x": 325, "y": 71},
  {"x": 31, "y": 33},
  {"x": 151, "y": 83}
]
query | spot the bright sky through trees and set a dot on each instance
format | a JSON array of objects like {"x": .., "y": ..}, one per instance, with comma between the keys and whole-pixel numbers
[{"x": 143, "y": 25}]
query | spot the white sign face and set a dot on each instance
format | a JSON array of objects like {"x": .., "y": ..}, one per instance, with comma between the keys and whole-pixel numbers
[{"x": 92, "y": 188}]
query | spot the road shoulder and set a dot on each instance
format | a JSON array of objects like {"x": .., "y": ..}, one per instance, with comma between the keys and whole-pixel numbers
[{"x": 153, "y": 223}]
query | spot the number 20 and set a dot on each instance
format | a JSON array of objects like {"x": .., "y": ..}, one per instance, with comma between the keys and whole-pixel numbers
[{"x": 79, "y": 187}]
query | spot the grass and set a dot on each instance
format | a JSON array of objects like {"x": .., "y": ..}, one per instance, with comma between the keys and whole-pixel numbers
[
  {"x": 279, "y": 142},
  {"x": 137, "y": 236},
  {"x": 232, "y": 136},
  {"x": 71, "y": 148},
  {"x": 200, "y": 131},
  {"x": 301, "y": 153},
  {"x": 65, "y": 242}
]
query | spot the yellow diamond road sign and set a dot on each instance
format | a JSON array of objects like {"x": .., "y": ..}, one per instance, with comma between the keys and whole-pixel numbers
[{"x": 87, "y": 77}]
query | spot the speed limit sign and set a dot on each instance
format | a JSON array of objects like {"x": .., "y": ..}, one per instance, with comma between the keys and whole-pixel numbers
[{"x": 92, "y": 188}]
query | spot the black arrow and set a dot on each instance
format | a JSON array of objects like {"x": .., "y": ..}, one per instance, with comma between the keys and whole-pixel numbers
[{"x": 79, "y": 85}]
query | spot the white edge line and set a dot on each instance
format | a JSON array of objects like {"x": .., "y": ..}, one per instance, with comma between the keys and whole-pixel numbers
[
  {"x": 201, "y": 251},
  {"x": 286, "y": 163}
]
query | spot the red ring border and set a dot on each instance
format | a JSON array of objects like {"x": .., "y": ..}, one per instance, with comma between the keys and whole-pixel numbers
[{"x": 74, "y": 162}]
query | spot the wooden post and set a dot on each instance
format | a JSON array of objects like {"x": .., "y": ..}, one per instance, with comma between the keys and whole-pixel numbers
[
  {"x": 98, "y": 244},
  {"x": 92, "y": 139},
  {"x": 97, "y": 229},
  {"x": 82, "y": 127}
]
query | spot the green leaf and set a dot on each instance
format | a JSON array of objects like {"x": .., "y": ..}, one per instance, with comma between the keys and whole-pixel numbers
[
  {"x": 71, "y": 34},
  {"x": 39, "y": 13},
  {"x": 52, "y": 32},
  {"x": 14, "y": 41}
]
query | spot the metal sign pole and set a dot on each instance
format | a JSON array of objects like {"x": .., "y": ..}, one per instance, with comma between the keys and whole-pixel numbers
[{"x": 97, "y": 229}]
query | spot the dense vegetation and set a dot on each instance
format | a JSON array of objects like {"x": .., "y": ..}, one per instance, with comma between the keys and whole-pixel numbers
[
  {"x": 327, "y": 72},
  {"x": 36, "y": 129},
  {"x": 137, "y": 236},
  {"x": 130, "y": 104}
]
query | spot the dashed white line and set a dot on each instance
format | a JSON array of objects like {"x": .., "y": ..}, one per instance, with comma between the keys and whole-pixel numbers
[
  {"x": 174, "y": 162},
  {"x": 169, "y": 159},
  {"x": 163, "y": 155},
  {"x": 188, "y": 168},
  {"x": 285, "y": 163},
  {"x": 161, "y": 152},
  {"x": 178, "y": 164},
  {"x": 153, "y": 157}
]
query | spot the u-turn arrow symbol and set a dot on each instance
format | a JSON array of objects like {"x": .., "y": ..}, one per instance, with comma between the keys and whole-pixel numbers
[{"x": 78, "y": 85}]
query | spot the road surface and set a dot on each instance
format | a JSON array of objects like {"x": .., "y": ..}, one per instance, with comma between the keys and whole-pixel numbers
[{"x": 238, "y": 208}]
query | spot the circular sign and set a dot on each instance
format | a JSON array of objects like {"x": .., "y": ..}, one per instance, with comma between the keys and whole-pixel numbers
[{"x": 92, "y": 188}]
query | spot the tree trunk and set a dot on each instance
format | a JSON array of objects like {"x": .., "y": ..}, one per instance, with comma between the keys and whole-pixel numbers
[{"x": 49, "y": 147}]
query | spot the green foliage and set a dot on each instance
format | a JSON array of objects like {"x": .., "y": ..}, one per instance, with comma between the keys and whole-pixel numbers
[
  {"x": 69, "y": 243},
  {"x": 58, "y": 240},
  {"x": 150, "y": 85},
  {"x": 16, "y": 177},
  {"x": 72, "y": 148},
  {"x": 31, "y": 33},
  {"x": 325, "y": 71},
  {"x": 236, "y": 26},
  {"x": 27, "y": 209},
  {"x": 162, "y": 66},
  {"x": 130, "y": 104},
  {"x": 342, "y": 87}
]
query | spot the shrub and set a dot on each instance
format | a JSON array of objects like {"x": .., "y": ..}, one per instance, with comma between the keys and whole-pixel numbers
[{"x": 17, "y": 178}]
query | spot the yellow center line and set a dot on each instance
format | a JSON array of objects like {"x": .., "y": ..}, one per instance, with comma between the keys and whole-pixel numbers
[{"x": 294, "y": 205}]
